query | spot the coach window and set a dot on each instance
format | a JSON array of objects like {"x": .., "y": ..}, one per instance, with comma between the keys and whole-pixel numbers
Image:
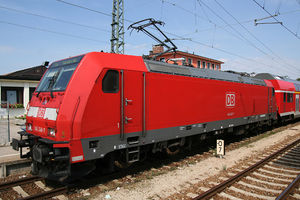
[
  {"x": 183, "y": 61},
  {"x": 110, "y": 82},
  {"x": 290, "y": 97}
]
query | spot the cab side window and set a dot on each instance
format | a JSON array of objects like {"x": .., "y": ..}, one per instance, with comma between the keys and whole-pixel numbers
[
  {"x": 110, "y": 82},
  {"x": 284, "y": 97}
]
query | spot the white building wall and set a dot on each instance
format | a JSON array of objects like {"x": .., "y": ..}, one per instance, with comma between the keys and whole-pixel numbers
[
  {"x": 26, "y": 95},
  {"x": 19, "y": 83}
]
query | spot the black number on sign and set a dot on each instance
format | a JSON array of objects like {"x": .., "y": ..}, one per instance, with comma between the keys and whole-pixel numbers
[
  {"x": 220, "y": 143},
  {"x": 220, "y": 149}
]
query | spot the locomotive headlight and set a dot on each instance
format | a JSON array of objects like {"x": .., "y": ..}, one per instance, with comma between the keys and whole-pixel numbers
[
  {"x": 51, "y": 132},
  {"x": 29, "y": 127}
]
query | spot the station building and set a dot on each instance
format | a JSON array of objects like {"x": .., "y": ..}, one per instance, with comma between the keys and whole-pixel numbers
[
  {"x": 16, "y": 88},
  {"x": 184, "y": 58}
]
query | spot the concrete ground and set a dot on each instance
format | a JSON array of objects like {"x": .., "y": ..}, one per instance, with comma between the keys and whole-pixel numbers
[{"x": 6, "y": 152}]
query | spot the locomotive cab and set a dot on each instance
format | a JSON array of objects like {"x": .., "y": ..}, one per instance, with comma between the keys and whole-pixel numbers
[{"x": 47, "y": 143}]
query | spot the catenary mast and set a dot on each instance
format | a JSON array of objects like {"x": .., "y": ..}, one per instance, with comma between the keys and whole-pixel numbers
[{"x": 117, "y": 33}]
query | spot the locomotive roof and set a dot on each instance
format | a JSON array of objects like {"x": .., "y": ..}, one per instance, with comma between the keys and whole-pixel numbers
[
  {"x": 276, "y": 77},
  {"x": 161, "y": 67}
]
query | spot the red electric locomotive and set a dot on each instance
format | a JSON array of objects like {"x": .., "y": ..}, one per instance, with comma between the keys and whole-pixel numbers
[{"x": 102, "y": 107}]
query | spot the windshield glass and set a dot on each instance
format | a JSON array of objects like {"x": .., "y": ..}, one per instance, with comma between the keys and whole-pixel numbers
[{"x": 58, "y": 75}]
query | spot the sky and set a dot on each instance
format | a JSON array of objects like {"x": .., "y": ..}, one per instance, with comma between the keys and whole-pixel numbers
[{"x": 34, "y": 31}]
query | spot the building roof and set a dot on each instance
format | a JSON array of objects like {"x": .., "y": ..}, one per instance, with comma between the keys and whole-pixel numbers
[
  {"x": 191, "y": 55},
  {"x": 33, "y": 73}
]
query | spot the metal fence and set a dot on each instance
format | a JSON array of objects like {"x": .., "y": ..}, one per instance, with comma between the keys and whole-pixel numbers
[{"x": 4, "y": 123}]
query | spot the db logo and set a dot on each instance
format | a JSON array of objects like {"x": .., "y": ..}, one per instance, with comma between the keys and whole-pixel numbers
[
  {"x": 41, "y": 112},
  {"x": 230, "y": 99}
]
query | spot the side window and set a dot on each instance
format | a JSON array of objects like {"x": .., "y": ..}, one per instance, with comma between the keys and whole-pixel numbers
[
  {"x": 284, "y": 97},
  {"x": 273, "y": 92},
  {"x": 290, "y": 99},
  {"x": 110, "y": 82}
]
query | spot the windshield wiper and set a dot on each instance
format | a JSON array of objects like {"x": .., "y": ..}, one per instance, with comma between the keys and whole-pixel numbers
[
  {"x": 52, "y": 83},
  {"x": 37, "y": 95}
]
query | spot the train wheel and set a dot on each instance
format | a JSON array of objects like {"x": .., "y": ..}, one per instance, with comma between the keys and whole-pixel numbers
[{"x": 173, "y": 150}]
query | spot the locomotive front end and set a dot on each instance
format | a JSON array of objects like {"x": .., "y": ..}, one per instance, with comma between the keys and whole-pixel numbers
[{"x": 45, "y": 137}]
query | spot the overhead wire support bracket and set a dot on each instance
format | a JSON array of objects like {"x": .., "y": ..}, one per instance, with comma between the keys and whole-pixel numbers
[
  {"x": 267, "y": 23},
  {"x": 272, "y": 16},
  {"x": 143, "y": 24}
]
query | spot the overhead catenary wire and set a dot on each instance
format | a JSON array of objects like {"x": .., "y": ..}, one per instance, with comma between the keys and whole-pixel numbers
[
  {"x": 256, "y": 38},
  {"x": 50, "y": 31},
  {"x": 289, "y": 30},
  {"x": 278, "y": 7},
  {"x": 191, "y": 40},
  {"x": 223, "y": 51},
  {"x": 242, "y": 22},
  {"x": 253, "y": 45},
  {"x": 210, "y": 21},
  {"x": 235, "y": 30},
  {"x": 53, "y": 18},
  {"x": 86, "y": 8}
]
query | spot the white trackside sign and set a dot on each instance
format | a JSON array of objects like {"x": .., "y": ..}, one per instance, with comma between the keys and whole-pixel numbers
[{"x": 220, "y": 147}]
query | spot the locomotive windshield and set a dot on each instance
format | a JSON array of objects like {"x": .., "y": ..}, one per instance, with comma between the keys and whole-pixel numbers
[{"x": 58, "y": 75}]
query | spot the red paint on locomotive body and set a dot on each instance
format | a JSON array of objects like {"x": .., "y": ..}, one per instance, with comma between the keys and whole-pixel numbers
[{"x": 178, "y": 100}]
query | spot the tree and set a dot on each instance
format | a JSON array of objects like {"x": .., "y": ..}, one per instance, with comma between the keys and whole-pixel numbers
[{"x": 298, "y": 79}]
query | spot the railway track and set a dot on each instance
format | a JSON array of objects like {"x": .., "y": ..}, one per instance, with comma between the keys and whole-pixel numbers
[
  {"x": 30, "y": 188},
  {"x": 274, "y": 177}
]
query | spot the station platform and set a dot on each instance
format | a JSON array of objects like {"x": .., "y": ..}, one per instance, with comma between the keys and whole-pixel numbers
[{"x": 7, "y": 154}]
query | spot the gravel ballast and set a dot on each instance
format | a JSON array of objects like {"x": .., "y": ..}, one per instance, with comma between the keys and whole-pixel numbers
[{"x": 182, "y": 178}]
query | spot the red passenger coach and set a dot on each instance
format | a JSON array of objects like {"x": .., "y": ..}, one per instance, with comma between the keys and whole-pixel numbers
[
  {"x": 287, "y": 95},
  {"x": 102, "y": 108}
]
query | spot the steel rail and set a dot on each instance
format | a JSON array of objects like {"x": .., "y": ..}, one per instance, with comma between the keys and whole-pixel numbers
[
  {"x": 289, "y": 189},
  {"x": 218, "y": 188},
  {"x": 48, "y": 194},
  {"x": 19, "y": 182}
]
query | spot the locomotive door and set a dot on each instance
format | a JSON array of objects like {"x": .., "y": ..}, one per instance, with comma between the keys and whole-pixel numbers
[
  {"x": 270, "y": 100},
  {"x": 297, "y": 103},
  {"x": 131, "y": 105}
]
